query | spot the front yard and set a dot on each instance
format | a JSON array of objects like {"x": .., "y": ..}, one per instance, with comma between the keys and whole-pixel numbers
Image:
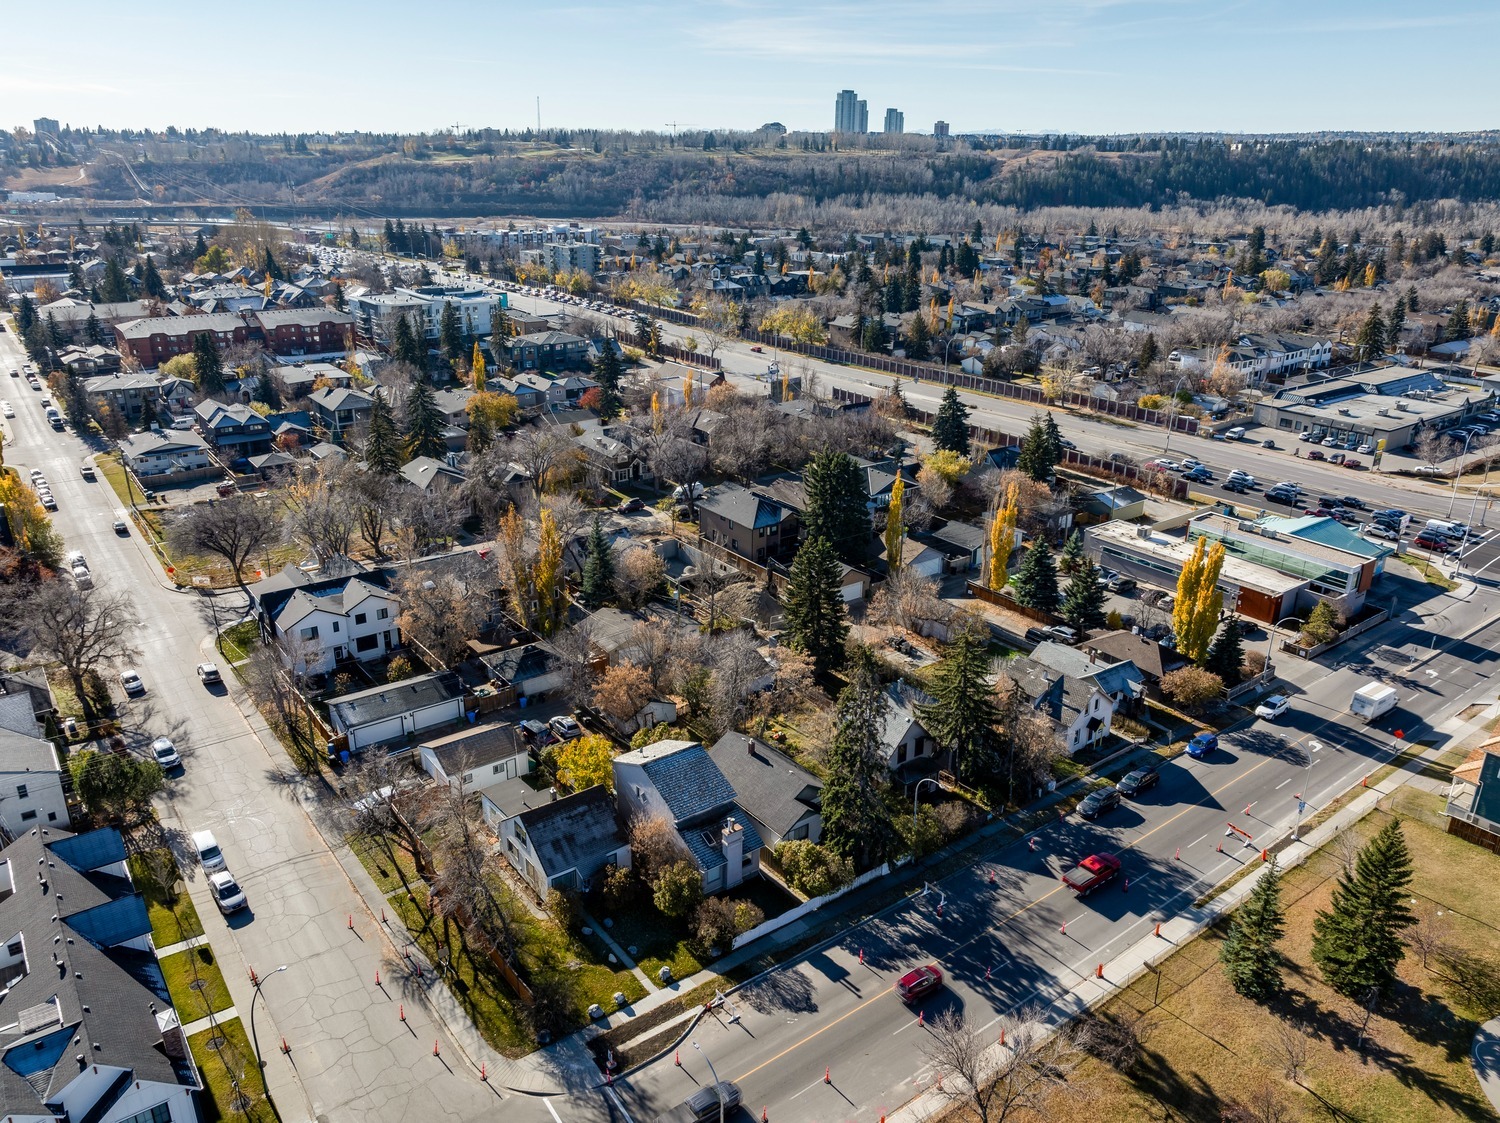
[
  {"x": 195, "y": 983},
  {"x": 234, "y": 1087},
  {"x": 173, "y": 916}
]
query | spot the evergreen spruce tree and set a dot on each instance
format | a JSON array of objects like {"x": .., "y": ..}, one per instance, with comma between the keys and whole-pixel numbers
[
  {"x": 93, "y": 330},
  {"x": 424, "y": 424},
  {"x": 152, "y": 283},
  {"x": 1370, "y": 341},
  {"x": 451, "y": 335},
  {"x": 963, "y": 712},
  {"x": 1225, "y": 654},
  {"x": 209, "y": 365},
  {"x": 1035, "y": 583},
  {"x": 382, "y": 442},
  {"x": 950, "y": 428},
  {"x": 856, "y": 823},
  {"x": 1457, "y": 326},
  {"x": 918, "y": 338},
  {"x": 607, "y": 374},
  {"x": 598, "y": 583},
  {"x": 1072, "y": 554},
  {"x": 265, "y": 389},
  {"x": 838, "y": 505},
  {"x": 1053, "y": 436},
  {"x": 814, "y": 606},
  {"x": 874, "y": 337},
  {"x": 200, "y": 247},
  {"x": 269, "y": 266},
  {"x": 1394, "y": 324},
  {"x": 116, "y": 287},
  {"x": 25, "y": 317},
  {"x": 1249, "y": 954},
  {"x": 1357, "y": 940},
  {"x": 1037, "y": 458},
  {"x": 1084, "y": 603},
  {"x": 409, "y": 344},
  {"x": 481, "y": 432}
]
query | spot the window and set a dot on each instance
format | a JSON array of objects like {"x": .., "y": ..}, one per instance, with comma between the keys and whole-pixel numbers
[
  {"x": 468, "y": 777},
  {"x": 359, "y": 617},
  {"x": 13, "y": 949},
  {"x": 52, "y": 816},
  {"x": 335, "y": 625},
  {"x": 21, "y": 791},
  {"x": 309, "y": 633},
  {"x": 366, "y": 643},
  {"x": 161, "y": 1113},
  {"x": 27, "y": 816},
  {"x": 382, "y": 614}
]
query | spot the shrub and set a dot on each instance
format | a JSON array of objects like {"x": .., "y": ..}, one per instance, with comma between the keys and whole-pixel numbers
[
  {"x": 399, "y": 668},
  {"x": 1151, "y": 401},
  {"x": 678, "y": 890},
  {"x": 619, "y": 888},
  {"x": 563, "y": 908},
  {"x": 813, "y": 870},
  {"x": 1322, "y": 625},
  {"x": 1192, "y": 689},
  {"x": 718, "y": 921}
]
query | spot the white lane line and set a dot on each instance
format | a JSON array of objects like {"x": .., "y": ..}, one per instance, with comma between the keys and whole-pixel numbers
[
  {"x": 809, "y": 1088},
  {"x": 906, "y": 1027},
  {"x": 1284, "y": 783},
  {"x": 1197, "y": 840},
  {"x": 557, "y": 1118},
  {"x": 609, "y": 1092}
]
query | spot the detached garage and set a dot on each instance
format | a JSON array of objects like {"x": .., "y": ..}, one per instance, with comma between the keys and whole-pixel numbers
[{"x": 390, "y": 713}]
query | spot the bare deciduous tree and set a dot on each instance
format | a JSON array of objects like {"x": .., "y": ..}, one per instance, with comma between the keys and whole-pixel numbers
[
  {"x": 904, "y": 601},
  {"x": 539, "y": 450},
  {"x": 465, "y": 884},
  {"x": 998, "y": 1082},
  {"x": 654, "y": 846},
  {"x": 639, "y": 573},
  {"x": 233, "y": 529},
  {"x": 80, "y": 629},
  {"x": 1432, "y": 448},
  {"x": 319, "y": 514},
  {"x": 439, "y": 614},
  {"x": 1289, "y": 1047},
  {"x": 1430, "y": 934}
]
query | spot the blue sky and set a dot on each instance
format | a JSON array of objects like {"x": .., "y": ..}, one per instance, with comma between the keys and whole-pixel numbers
[{"x": 1091, "y": 66}]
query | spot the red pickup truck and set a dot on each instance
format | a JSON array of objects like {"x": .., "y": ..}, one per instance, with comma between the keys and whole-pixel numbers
[{"x": 1092, "y": 872}]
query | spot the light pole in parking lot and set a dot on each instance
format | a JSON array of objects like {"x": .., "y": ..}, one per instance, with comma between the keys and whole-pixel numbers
[
  {"x": 718, "y": 1091},
  {"x": 1458, "y": 471}
]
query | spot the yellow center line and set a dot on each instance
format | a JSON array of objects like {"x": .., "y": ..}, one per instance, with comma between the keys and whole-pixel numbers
[{"x": 1025, "y": 908}]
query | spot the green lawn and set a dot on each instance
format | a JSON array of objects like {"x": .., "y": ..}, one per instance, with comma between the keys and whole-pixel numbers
[
  {"x": 238, "y": 642},
  {"x": 172, "y": 920},
  {"x": 550, "y": 954},
  {"x": 657, "y": 941},
  {"x": 378, "y": 863},
  {"x": 196, "y": 984},
  {"x": 232, "y": 1063}
]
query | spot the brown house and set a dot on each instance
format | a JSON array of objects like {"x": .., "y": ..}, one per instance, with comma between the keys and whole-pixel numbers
[{"x": 752, "y": 525}]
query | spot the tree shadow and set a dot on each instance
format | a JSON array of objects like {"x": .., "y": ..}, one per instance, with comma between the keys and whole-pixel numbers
[
  {"x": 787, "y": 991},
  {"x": 1189, "y": 1093}
]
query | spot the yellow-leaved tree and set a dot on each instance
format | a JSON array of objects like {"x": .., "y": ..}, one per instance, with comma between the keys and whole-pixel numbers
[
  {"x": 894, "y": 531},
  {"x": 585, "y": 761},
  {"x": 476, "y": 366},
  {"x": 1195, "y": 613},
  {"x": 546, "y": 576},
  {"x": 1003, "y": 537}
]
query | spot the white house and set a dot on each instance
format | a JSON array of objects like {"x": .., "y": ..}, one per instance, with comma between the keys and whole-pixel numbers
[
  {"x": 476, "y": 757},
  {"x": 677, "y": 781},
  {"x": 157, "y": 454},
  {"x": 320, "y": 627},
  {"x": 31, "y": 785},
  {"x": 909, "y": 749},
  {"x": 1080, "y": 711},
  {"x": 384, "y": 714},
  {"x": 563, "y": 844},
  {"x": 90, "y": 1033}
]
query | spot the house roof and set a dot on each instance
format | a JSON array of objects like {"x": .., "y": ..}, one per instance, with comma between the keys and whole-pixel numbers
[
  {"x": 522, "y": 662},
  {"x": 334, "y": 398},
  {"x": 1470, "y": 767},
  {"x": 1060, "y": 696},
  {"x": 153, "y": 444},
  {"x": 957, "y": 538},
  {"x": 771, "y": 787},
  {"x": 549, "y": 338},
  {"x": 474, "y": 747},
  {"x": 1149, "y": 657},
  {"x": 689, "y": 781},
  {"x": 424, "y": 471},
  {"x": 1326, "y": 532},
  {"x": 743, "y": 507},
  {"x": 106, "y": 995},
  {"x": 573, "y": 831},
  {"x": 903, "y": 699},
  {"x": 338, "y": 598},
  {"x": 271, "y": 460},
  {"x": 402, "y": 697},
  {"x": 704, "y": 840},
  {"x": 22, "y": 753}
]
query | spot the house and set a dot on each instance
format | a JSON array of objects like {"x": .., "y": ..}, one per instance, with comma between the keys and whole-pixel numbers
[
  {"x": 233, "y": 430},
  {"x": 427, "y": 474},
  {"x": 532, "y": 669},
  {"x": 910, "y": 751},
  {"x": 564, "y": 844},
  {"x": 453, "y": 404},
  {"x": 124, "y": 394},
  {"x": 547, "y": 350},
  {"x": 1123, "y": 503},
  {"x": 30, "y": 683},
  {"x": 677, "y": 781},
  {"x": 337, "y": 409},
  {"x": 610, "y": 454},
  {"x": 782, "y": 798},
  {"x": 31, "y": 775},
  {"x": 1122, "y": 681},
  {"x": 305, "y": 331},
  {"x": 751, "y": 524},
  {"x": 475, "y": 757},
  {"x": 917, "y": 557},
  {"x": 526, "y": 395},
  {"x": 962, "y": 544},
  {"x": 1080, "y": 711},
  {"x": 321, "y": 625},
  {"x": 165, "y": 453},
  {"x": 91, "y": 358},
  {"x": 90, "y": 1033},
  {"x": 1152, "y": 659},
  {"x": 300, "y": 379},
  {"x": 384, "y": 714},
  {"x": 273, "y": 465},
  {"x": 1474, "y": 797}
]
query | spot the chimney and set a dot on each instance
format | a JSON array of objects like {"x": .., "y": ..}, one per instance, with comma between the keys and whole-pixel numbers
[{"x": 732, "y": 843}]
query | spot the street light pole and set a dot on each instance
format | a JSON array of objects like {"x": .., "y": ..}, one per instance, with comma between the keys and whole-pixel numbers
[
  {"x": 719, "y": 1092},
  {"x": 254, "y": 1038},
  {"x": 1172, "y": 413},
  {"x": 916, "y": 795},
  {"x": 1457, "y": 472},
  {"x": 1312, "y": 746},
  {"x": 1271, "y": 636}
]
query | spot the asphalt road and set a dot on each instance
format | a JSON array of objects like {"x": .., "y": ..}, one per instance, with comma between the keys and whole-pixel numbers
[{"x": 352, "y": 1060}]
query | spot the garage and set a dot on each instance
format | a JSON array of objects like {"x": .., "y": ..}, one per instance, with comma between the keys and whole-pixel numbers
[{"x": 383, "y": 715}]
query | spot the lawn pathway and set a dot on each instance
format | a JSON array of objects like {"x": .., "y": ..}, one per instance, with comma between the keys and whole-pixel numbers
[{"x": 609, "y": 941}]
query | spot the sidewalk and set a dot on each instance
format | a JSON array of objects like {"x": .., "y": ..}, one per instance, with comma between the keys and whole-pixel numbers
[{"x": 1180, "y": 930}]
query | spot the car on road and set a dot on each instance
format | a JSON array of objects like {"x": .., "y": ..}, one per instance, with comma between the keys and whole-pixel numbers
[
  {"x": 1239, "y": 487},
  {"x": 635, "y": 503},
  {"x": 1273, "y": 707},
  {"x": 1164, "y": 463},
  {"x": 88, "y": 472},
  {"x": 1314, "y": 454},
  {"x": 227, "y": 893},
  {"x": 1268, "y": 443},
  {"x": 132, "y": 682},
  {"x": 210, "y": 857},
  {"x": 1189, "y": 463},
  {"x": 1134, "y": 783},
  {"x": 208, "y": 674},
  {"x": 1099, "y": 801},
  {"x": 1275, "y": 495},
  {"x": 10, "y": 410},
  {"x": 1436, "y": 543},
  {"x": 1199, "y": 474},
  {"x": 1202, "y": 744},
  {"x": 121, "y": 527},
  {"x": 758, "y": 350},
  {"x": 1382, "y": 531},
  {"x": 1091, "y": 873},
  {"x": 564, "y": 727},
  {"x": 919, "y": 982},
  {"x": 165, "y": 753},
  {"x": 707, "y": 1103},
  {"x": 1353, "y": 502}
]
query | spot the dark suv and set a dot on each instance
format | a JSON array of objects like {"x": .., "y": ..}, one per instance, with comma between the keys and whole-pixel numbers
[
  {"x": 1098, "y": 802},
  {"x": 1134, "y": 783}
]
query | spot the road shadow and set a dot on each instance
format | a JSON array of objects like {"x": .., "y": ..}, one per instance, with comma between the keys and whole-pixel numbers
[{"x": 785, "y": 991}]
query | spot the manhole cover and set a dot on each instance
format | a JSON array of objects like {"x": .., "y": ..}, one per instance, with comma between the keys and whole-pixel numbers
[
  {"x": 197, "y": 984},
  {"x": 216, "y": 1042}
]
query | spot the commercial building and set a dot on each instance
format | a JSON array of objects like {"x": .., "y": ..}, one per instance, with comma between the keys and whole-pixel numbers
[
  {"x": 1393, "y": 404},
  {"x": 895, "y": 121}
]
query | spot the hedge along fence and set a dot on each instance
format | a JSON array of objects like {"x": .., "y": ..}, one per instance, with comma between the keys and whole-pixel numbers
[{"x": 808, "y": 906}]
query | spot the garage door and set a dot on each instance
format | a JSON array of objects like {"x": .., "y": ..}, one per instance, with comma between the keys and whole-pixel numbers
[{"x": 376, "y": 732}]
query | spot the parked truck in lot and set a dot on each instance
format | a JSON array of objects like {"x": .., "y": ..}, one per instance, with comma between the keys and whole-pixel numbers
[
  {"x": 1092, "y": 872},
  {"x": 1372, "y": 700}
]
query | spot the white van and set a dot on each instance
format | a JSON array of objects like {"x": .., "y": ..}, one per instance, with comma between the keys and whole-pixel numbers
[
  {"x": 1445, "y": 528},
  {"x": 209, "y": 855},
  {"x": 1235, "y": 434}
]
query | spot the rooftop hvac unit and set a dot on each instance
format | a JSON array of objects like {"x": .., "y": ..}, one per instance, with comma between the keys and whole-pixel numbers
[
  {"x": 1143, "y": 532},
  {"x": 1383, "y": 412},
  {"x": 1401, "y": 406},
  {"x": 1246, "y": 527}
]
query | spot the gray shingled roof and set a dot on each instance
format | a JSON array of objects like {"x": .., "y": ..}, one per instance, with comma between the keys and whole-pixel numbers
[
  {"x": 743, "y": 507},
  {"x": 772, "y": 788},
  {"x": 474, "y": 747},
  {"x": 20, "y": 753},
  {"x": 574, "y": 831},
  {"x": 704, "y": 840},
  {"x": 397, "y": 698},
  {"x": 687, "y": 778}
]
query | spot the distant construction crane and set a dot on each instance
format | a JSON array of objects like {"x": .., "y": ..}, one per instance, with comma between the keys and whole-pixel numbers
[{"x": 673, "y": 125}]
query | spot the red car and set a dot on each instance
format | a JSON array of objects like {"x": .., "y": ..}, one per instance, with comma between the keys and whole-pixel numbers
[
  {"x": 919, "y": 982},
  {"x": 1432, "y": 542},
  {"x": 758, "y": 350},
  {"x": 1314, "y": 454},
  {"x": 1352, "y": 463}
]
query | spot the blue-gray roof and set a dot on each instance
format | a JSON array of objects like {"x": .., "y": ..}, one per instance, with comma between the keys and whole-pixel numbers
[
  {"x": 689, "y": 781},
  {"x": 704, "y": 841}
]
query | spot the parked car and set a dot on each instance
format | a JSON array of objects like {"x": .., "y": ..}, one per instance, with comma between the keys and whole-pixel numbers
[
  {"x": 1120, "y": 584},
  {"x": 227, "y": 893},
  {"x": 1268, "y": 444},
  {"x": 681, "y": 491},
  {"x": 1061, "y": 633},
  {"x": 1366, "y": 449},
  {"x": 635, "y": 503},
  {"x": 1350, "y": 462},
  {"x": 210, "y": 857},
  {"x": 132, "y": 682},
  {"x": 1273, "y": 707},
  {"x": 121, "y": 527},
  {"x": 1433, "y": 542},
  {"x": 1134, "y": 783},
  {"x": 1380, "y": 530},
  {"x": 919, "y": 982},
  {"x": 564, "y": 727},
  {"x": 165, "y": 753},
  {"x": 1202, "y": 744},
  {"x": 208, "y": 674},
  {"x": 1314, "y": 454},
  {"x": 1099, "y": 801}
]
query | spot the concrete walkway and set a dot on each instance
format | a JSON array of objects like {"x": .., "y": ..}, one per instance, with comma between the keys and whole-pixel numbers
[
  {"x": 1486, "y": 1057},
  {"x": 218, "y": 1017},
  {"x": 181, "y": 945}
]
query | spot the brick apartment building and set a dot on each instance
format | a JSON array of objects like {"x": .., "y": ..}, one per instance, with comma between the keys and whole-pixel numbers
[{"x": 296, "y": 331}]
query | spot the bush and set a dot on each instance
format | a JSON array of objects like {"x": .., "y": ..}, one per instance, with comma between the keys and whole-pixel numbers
[
  {"x": 678, "y": 890},
  {"x": 1253, "y": 664},
  {"x": 1322, "y": 625},
  {"x": 619, "y": 888},
  {"x": 718, "y": 921},
  {"x": 1151, "y": 401},
  {"x": 399, "y": 668},
  {"x": 563, "y": 908},
  {"x": 1192, "y": 689},
  {"x": 813, "y": 870}
]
